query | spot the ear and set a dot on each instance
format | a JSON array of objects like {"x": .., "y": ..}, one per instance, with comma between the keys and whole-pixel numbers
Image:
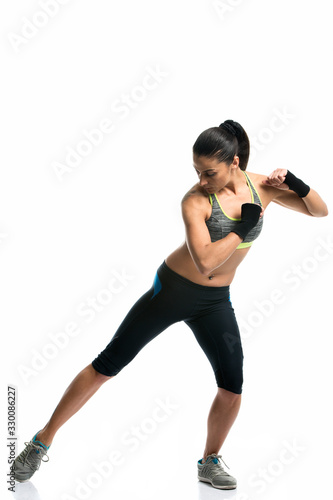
[{"x": 235, "y": 162}]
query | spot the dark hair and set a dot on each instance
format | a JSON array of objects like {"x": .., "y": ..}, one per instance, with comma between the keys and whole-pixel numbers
[{"x": 223, "y": 143}]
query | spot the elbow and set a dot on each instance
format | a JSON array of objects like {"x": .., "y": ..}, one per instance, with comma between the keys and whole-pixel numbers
[
  {"x": 204, "y": 268},
  {"x": 205, "y": 271},
  {"x": 325, "y": 212},
  {"x": 322, "y": 213},
  {"x": 321, "y": 209}
]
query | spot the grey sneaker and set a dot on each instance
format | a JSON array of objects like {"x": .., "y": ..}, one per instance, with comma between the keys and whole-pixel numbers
[
  {"x": 212, "y": 472},
  {"x": 30, "y": 459}
]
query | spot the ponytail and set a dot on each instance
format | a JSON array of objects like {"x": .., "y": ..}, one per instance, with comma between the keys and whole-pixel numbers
[{"x": 223, "y": 143}]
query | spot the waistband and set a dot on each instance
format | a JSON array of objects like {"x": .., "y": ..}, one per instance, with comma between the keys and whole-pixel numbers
[{"x": 210, "y": 289}]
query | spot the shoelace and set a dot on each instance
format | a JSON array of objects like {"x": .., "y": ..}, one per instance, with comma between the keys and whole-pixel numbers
[
  {"x": 32, "y": 460},
  {"x": 215, "y": 468}
]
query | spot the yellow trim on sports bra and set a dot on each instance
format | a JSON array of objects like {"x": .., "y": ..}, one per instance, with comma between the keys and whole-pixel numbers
[
  {"x": 218, "y": 201},
  {"x": 250, "y": 185},
  {"x": 244, "y": 245},
  {"x": 252, "y": 197},
  {"x": 253, "y": 187}
]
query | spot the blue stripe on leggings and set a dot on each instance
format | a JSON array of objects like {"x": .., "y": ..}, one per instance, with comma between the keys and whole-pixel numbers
[{"x": 157, "y": 285}]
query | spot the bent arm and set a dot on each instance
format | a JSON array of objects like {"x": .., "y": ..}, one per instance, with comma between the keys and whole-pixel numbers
[
  {"x": 311, "y": 204},
  {"x": 288, "y": 191},
  {"x": 206, "y": 255},
  {"x": 315, "y": 204}
]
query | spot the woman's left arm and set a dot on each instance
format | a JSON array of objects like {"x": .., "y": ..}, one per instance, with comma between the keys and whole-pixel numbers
[{"x": 297, "y": 195}]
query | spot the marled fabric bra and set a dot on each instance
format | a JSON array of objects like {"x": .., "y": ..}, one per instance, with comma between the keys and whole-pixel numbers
[{"x": 220, "y": 224}]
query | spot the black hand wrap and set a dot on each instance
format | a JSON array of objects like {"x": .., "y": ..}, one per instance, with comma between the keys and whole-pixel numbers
[
  {"x": 250, "y": 215},
  {"x": 296, "y": 185}
]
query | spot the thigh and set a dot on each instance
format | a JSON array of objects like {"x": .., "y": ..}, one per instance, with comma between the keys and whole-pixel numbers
[
  {"x": 218, "y": 335},
  {"x": 161, "y": 306}
]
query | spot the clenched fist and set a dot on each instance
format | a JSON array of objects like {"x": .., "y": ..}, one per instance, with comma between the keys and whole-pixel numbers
[{"x": 277, "y": 179}]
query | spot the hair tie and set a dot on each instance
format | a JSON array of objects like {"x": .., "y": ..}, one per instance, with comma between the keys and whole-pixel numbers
[{"x": 228, "y": 127}]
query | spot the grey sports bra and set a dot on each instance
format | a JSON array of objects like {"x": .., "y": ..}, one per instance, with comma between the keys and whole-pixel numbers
[{"x": 220, "y": 224}]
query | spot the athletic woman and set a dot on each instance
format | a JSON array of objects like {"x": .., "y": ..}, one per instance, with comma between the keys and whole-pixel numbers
[{"x": 223, "y": 215}]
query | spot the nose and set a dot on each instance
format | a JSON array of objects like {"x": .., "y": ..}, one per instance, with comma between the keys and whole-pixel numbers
[{"x": 202, "y": 182}]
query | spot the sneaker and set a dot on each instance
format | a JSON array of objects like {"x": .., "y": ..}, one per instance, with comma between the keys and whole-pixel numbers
[
  {"x": 30, "y": 459},
  {"x": 212, "y": 472}
]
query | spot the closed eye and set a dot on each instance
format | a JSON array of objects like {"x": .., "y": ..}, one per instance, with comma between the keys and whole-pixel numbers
[{"x": 208, "y": 175}]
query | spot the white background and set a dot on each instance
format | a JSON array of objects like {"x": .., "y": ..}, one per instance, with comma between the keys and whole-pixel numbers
[{"x": 119, "y": 209}]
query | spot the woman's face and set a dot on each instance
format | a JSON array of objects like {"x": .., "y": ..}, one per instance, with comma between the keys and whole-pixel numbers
[{"x": 213, "y": 175}]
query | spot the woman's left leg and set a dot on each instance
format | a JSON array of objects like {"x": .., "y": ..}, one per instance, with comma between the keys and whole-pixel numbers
[
  {"x": 218, "y": 334},
  {"x": 222, "y": 415}
]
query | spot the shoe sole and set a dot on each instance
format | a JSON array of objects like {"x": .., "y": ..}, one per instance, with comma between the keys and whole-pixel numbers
[{"x": 230, "y": 487}]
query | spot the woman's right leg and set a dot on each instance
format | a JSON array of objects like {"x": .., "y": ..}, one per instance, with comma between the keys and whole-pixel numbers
[
  {"x": 167, "y": 302},
  {"x": 84, "y": 385},
  {"x": 153, "y": 312}
]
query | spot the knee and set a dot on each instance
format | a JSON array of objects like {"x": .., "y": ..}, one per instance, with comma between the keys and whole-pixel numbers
[
  {"x": 229, "y": 397},
  {"x": 99, "y": 377},
  {"x": 230, "y": 382}
]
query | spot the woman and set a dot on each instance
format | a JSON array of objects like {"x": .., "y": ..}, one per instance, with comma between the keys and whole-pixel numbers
[{"x": 223, "y": 215}]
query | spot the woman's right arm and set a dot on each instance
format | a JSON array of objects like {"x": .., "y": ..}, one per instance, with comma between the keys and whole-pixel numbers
[{"x": 206, "y": 255}]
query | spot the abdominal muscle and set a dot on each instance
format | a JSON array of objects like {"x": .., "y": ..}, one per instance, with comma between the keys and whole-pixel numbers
[{"x": 182, "y": 263}]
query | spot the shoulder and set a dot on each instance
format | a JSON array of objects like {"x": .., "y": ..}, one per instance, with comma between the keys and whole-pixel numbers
[
  {"x": 266, "y": 193},
  {"x": 196, "y": 199},
  {"x": 256, "y": 178},
  {"x": 195, "y": 196}
]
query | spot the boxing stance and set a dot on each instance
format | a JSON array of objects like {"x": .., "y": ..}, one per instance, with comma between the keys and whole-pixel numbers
[{"x": 223, "y": 215}]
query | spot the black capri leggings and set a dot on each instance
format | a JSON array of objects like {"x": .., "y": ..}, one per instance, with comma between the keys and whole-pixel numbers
[{"x": 206, "y": 310}]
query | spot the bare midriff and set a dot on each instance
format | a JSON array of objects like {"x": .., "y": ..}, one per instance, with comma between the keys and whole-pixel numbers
[{"x": 182, "y": 263}]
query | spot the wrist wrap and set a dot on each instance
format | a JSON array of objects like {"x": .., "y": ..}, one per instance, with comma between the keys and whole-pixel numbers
[
  {"x": 296, "y": 185},
  {"x": 250, "y": 215}
]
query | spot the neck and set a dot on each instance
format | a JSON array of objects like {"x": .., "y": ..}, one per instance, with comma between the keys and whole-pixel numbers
[{"x": 236, "y": 182}]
